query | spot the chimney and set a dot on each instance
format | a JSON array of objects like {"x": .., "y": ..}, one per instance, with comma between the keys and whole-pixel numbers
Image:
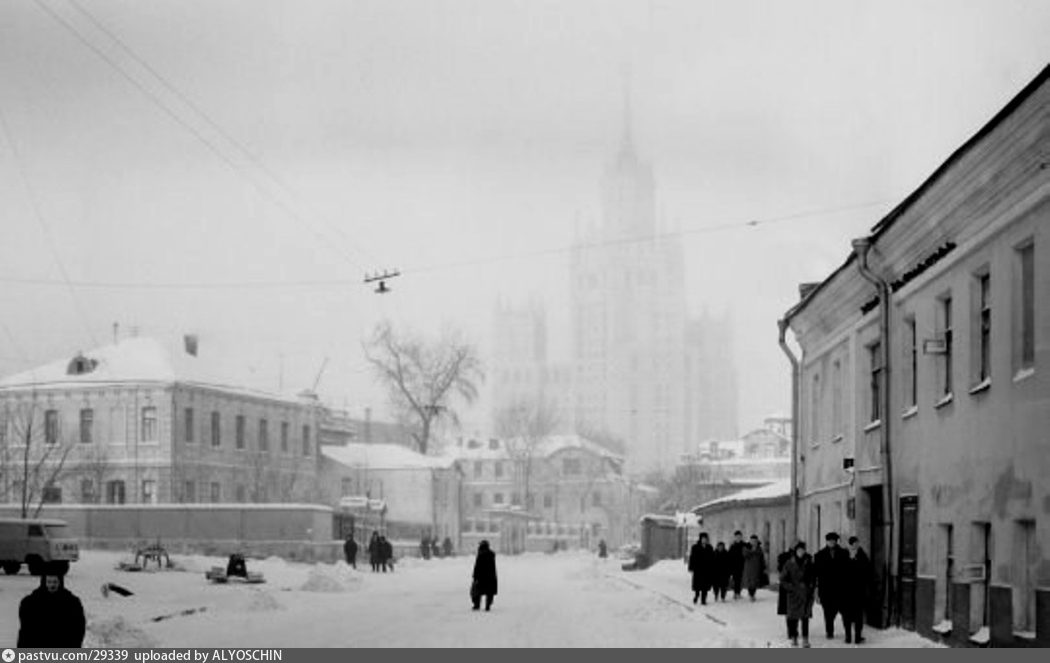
[
  {"x": 805, "y": 288},
  {"x": 189, "y": 342}
]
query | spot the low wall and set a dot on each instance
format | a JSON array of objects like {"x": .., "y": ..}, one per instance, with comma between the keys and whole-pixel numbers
[{"x": 301, "y": 532}]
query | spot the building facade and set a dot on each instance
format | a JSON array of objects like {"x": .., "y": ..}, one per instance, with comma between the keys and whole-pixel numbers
[
  {"x": 139, "y": 422},
  {"x": 933, "y": 448}
]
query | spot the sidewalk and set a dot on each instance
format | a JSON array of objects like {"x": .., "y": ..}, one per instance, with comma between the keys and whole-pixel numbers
[{"x": 755, "y": 624}]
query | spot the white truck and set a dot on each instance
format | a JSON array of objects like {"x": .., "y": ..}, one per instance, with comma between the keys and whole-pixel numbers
[{"x": 36, "y": 542}]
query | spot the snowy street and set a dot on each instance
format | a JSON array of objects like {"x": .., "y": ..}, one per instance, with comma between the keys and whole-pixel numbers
[{"x": 567, "y": 600}]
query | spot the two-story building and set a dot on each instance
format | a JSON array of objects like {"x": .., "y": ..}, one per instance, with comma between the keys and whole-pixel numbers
[
  {"x": 924, "y": 397},
  {"x": 145, "y": 422}
]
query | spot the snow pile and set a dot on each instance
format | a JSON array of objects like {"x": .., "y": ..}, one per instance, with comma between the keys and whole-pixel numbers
[
  {"x": 335, "y": 578},
  {"x": 261, "y": 601},
  {"x": 116, "y": 632}
]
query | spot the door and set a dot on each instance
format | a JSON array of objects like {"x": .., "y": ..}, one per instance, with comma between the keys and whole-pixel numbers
[
  {"x": 877, "y": 610},
  {"x": 907, "y": 563}
]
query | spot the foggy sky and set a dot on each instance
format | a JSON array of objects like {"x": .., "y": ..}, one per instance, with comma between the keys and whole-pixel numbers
[{"x": 444, "y": 138}]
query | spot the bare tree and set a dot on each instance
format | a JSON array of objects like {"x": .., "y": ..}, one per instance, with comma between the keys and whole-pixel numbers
[
  {"x": 424, "y": 378},
  {"x": 38, "y": 457},
  {"x": 524, "y": 426}
]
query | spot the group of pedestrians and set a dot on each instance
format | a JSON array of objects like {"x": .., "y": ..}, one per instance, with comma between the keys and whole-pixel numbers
[
  {"x": 428, "y": 547},
  {"x": 742, "y": 566},
  {"x": 380, "y": 552},
  {"x": 839, "y": 577}
]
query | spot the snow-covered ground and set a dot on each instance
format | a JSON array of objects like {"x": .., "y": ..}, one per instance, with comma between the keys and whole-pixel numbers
[{"x": 564, "y": 600}]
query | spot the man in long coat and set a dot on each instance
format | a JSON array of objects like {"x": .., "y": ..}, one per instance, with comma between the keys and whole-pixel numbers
[
  {"x": 374, "y": 551},
  {"x": 797, "y": 581},
  {"x": 855, "y": 591},
  {"x": 484, "y": 581},
  {"x": 702, "y": 566},
  {"x": 51, "y": 616},
  {"x": 736, "y": 562},
  {"x": 830, "y": 567},
  {"x": 754, "y": 567},
  {"x": 350, "y": 550}
]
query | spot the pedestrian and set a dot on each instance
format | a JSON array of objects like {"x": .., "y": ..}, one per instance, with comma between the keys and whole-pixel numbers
[
  {"x": 350, "y": 550},
  {"x": 736, "y": 562},
  {"x": 855, "y": 591},
  {"x": 51, "y": 616},
  {"x": 830, "y": 569},
  {"x": 754, "y": 567},
  {"x": 797, "y": 580},
  {"x": 702, "y": 566},
  {"x": 424, "y": 547},
  {"x": 484, "y": 582},
  {"x": 721, "y": 574},
  {"x": 374, "y": 552},
  {"x": 435, "y": 551},
  {"x": 386, "y": 554},
  {"x": 782, "y": 559},
  {"x": 446, "y": 546},
  {"x": 603, "y": 549}
]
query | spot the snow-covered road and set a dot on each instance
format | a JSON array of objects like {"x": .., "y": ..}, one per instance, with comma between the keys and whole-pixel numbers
[{"x": 565, "y": 600}]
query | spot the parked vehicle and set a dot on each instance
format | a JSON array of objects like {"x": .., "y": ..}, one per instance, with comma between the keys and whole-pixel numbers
[{"x": 35, "y": 542}]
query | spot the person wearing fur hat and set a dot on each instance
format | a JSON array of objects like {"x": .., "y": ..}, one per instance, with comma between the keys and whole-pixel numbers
[{"x": 51, "y": 616}]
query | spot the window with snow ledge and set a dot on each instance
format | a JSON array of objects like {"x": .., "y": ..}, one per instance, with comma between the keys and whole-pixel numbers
[
  {"x": 910, "y": 412},
  {"x": 948, "y": 398},
  {"x": 983, "y": 385},
  {"x": 1023, "y": 374}
]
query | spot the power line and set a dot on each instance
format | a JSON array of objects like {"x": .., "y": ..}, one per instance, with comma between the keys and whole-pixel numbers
[
  {"x": 34, "y": 204},
  {"x": 210, "y": 145},
  {"x": 245, "y": 152},
  {"x": 316, "y": 283}
]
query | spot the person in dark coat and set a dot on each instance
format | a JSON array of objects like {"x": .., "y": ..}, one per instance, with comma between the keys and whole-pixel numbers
[
  {"x": 736, "y": 562},
  {"x": 721, "y": 574},
  {"x": 386, "y": 554},
  {"x": 782, "y": 559},
  {"x": 702, "y": 566},
  {"x": 484, "y": 582},
  {"x": 51, "y": 616},
  {"x": 830, "y": 568},
  {"x": 374, "y": 552},
  {"x": 797, "y": 580},
  {"x": 603, "y": 549},
  {"x": 855, "y": 591},
  {"x": 424, "y": 547},
  {"x": 446, "y": 547},
  {"x": 435, "y": 551},
  {"x": 350, "y": 550},
  {"x": 754, "y": 567}
]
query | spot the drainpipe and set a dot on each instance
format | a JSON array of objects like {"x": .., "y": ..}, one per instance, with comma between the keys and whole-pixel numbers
[
  {"x": 783, "y": 325},
  {"x": 862, "y": 247}
]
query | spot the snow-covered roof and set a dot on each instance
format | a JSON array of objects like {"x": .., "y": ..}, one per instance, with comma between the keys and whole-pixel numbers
[
  {"x": 547, "y": 447},
  {"x": 138, "y": 360},
  {"x": 770, "y": 491},
  {"x": 384, "y": 457}
]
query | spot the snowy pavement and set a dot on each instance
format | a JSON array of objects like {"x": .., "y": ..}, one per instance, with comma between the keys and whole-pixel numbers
[{"x": 564, "y": 600}]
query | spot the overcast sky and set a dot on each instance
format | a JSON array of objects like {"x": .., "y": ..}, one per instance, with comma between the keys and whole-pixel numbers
[{"x": 316, "y": 140}]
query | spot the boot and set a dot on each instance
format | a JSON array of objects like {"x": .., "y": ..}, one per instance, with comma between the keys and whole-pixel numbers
[
  {"x": 794, "y": 642},
  {"x": 805, "y": 643}
]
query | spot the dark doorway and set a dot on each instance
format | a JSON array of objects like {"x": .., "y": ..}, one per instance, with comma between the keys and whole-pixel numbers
[
  {"x": 908, "y": 562},
  {"x": 877, "y": 610}
]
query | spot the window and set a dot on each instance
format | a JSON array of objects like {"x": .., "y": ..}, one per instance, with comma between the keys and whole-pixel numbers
[
  {"x": 189, "y": 492},
  {"x": 570, "y": 466},
  {"x": 346, "y": 486},
  {"x": 149, "y": 491},
  {"x": 216, "y": 429},
  {"x": 911, "y": 362},
  {"x": 982, "y": 327},
  {"x": 548, "y": 501},
  {"x": 515, "y": 498},
  {"x": 498, "y": 468},
  {"x": 477, "y": 469},
  {"x": 187, "y": 424},
  {"x": 52, "y": 495},
  {"x": 875, "y": 385},
  {"x": 87, "y": 491},
  {"x": 1024, "y": 340},
  {"x": 497, "y": 498},
  {"x": 241, "y": 493},
  {"x": 87, "y": 425},
  {"x": 149, "y": 424},
  {"x": 51, "y": 427},
  {"x": 115, "y": 493},
  {"x": 306, "y": 440},
  {"x": 264, "y": 435},
  {"x": 596, "y": 499},
  {"x": 945, "y": 324},
  {"x": 836, "y": 398},
  {"x": 36, "y": 530},
  {"x": 944, "y": 589},
  {"x": 216, "y": 493},
  {"x": 284, "y": 437},
  {"x": 814, "y": 410},
  {"x": 493, "y": 443},
  {"x": 478, "y": 500},
  {"x": 238, "y": 439}
]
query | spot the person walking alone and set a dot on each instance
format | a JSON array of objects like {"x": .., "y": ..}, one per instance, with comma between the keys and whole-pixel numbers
[
  {"x": 350, "y": 550},
  {"x": 484, "y": 581},
  {"x": 736, "y": 562},
  {"x": 830, "y": 568},
  {"x": 754, "y": 567},
  {"x": 797, "y": 579},
  {"x": 702, "y": 566},
  {"x": 855, "y": 591}
]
